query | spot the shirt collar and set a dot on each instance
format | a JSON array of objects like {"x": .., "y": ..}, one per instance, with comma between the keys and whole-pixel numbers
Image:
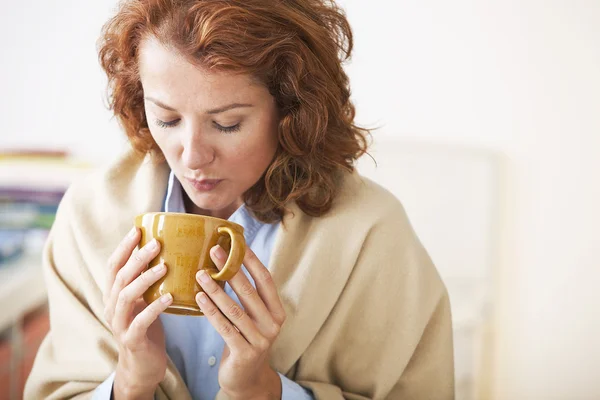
[{"x": 174, "y": 203}]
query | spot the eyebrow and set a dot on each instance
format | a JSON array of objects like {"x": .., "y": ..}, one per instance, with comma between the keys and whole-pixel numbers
[{"x": 213, "y": 111}]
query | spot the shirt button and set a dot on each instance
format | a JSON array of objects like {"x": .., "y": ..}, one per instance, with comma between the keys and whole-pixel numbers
[{"x": 212, "y": 360}]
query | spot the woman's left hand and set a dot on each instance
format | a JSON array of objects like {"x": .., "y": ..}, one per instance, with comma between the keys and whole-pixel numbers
[{"x": 248, "y": 332}]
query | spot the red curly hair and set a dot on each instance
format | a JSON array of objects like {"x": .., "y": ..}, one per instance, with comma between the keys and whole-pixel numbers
[{"x": 294, "y": 47}]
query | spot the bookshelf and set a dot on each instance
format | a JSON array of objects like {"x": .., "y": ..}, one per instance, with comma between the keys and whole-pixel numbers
[{"x": 32, "y": 184}]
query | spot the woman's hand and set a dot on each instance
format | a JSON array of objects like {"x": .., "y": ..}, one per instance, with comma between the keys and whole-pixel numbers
[
  {"x": 142, "y": 353},
  {"x": 248, "y": 333}
]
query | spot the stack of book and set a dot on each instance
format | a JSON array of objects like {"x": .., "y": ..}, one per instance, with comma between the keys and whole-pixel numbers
[{"x": 32, "y": 183}]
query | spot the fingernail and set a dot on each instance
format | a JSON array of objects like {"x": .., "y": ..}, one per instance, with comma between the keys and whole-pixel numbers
[
  {"x": 158, "y": 269},
  {"x": 132, "y": 232},
  {"x": 201, "y": 297},
  {"x": 152, "y": 244},
  {"x": 166, "y": 298},
  {"x": 203, "y": 276},
  {"x": 219, "y": 252}
]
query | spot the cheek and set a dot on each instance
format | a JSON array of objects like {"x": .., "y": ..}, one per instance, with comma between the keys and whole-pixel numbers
[
  {"x": 158, "y": 139},
  {"x": 170, "y": 148},
  {"x": 250, "y": 161},
  {"x": 252, "y": 158}
]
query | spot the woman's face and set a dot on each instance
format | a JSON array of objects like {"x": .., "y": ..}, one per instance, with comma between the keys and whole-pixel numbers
[{"x": 217, "y": 131}]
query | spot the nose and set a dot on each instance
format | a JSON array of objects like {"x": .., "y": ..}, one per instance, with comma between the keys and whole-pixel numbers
[{"x": 198, "y": 152}]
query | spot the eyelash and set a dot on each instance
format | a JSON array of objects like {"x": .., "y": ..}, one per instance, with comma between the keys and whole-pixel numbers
[
  {"x": 228, "y": 129},
  {"x": 164, "y": 124},
  {"x": 224, "y": 129}
]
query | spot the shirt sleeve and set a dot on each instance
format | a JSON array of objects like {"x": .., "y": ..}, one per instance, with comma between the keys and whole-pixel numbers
[
  {"x": 290, "y": 390},
  {"x": 104, "y": 390}
]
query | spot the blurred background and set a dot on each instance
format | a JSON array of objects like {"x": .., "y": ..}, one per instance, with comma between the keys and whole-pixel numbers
[{"x": 489, "y": 134}]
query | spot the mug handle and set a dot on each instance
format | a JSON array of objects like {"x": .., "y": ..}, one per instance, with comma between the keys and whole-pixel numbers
[{"x": 236, "y": 254}]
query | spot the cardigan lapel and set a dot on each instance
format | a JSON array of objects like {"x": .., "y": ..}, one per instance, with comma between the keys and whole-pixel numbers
[{"x": 310, "y": 265}]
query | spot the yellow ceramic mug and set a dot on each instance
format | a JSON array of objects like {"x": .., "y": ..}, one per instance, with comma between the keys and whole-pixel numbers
[{"x": 186, "y": 240}]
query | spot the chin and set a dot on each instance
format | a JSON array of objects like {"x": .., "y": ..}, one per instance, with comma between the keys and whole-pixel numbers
[
  {"x": 210, "y": 204},
  {"x": 214, "y": 203}
]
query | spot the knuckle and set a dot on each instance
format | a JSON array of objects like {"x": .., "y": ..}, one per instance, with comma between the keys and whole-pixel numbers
[
  {"x": 265, "y": 276},
  {"x": 235, "y": 312},
  {"x": 120, "y": 280},
  {"x": 251, "y": 256},
  {"x": 213, "y": 288},
  {"x": 263, "y": 344},
  {"x": 147, "y": 278},
  {"x": 273, "y": 330},
  {"x": 247, "y": 289},
  {"x": 123, "y": 298},
  {"x": 225, "y": 329},
  {"x": 212, "y": 311},
  {"x": 280, "y": 317}
]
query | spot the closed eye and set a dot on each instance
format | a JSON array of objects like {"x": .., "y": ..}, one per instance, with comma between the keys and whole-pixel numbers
[
  {"x": 228, "y": 129},
  {"x": 225, "y": 129},
  {"x": 167, "y": 124}
]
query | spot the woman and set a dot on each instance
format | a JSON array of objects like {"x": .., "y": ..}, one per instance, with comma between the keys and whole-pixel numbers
[{"x": 240, "y": 109}]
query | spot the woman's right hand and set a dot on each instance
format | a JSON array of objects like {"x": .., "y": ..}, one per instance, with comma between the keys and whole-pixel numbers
[{"x": 142, "y": 353}]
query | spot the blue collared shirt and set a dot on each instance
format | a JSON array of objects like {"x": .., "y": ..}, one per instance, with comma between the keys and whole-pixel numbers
[{"x": 192, "y": 343}]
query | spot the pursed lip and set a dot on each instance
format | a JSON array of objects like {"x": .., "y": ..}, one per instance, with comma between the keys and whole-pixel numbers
[{"x": 204, "y": 184}]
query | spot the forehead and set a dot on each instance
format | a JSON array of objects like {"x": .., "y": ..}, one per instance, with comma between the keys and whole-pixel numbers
[{"x": 169, "y": 76}]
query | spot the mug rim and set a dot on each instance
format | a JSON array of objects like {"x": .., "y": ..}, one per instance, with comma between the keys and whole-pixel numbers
[{"x": 189, "y": 215}]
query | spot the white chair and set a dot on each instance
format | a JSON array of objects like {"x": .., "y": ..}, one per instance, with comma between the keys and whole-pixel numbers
[{"x": 452, "y": 197}]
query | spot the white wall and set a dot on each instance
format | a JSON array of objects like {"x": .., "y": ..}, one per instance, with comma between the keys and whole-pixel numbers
[
  {"x": 51, "y": 83},
  {"x": 521, "y": 77}
]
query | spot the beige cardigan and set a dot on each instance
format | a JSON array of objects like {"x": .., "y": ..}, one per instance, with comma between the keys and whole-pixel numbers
[{"x": 368, "y": 316}]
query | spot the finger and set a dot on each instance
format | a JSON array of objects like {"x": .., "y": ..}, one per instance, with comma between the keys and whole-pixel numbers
[
  {"x": 140, "y": 324},
  {"x": 254, "y": 305},
  {"x": 264, "y": 285},
  {"x": 249, "y": 297},
  {"x": 132, "y": 293},
  {"x": 118, "y": 259},
  {"x": 221, "y": 304},
  {"x": 133, "y": 268},
  {"x": 219, "y": 256},
  {"x": 228, "y": 331}
]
